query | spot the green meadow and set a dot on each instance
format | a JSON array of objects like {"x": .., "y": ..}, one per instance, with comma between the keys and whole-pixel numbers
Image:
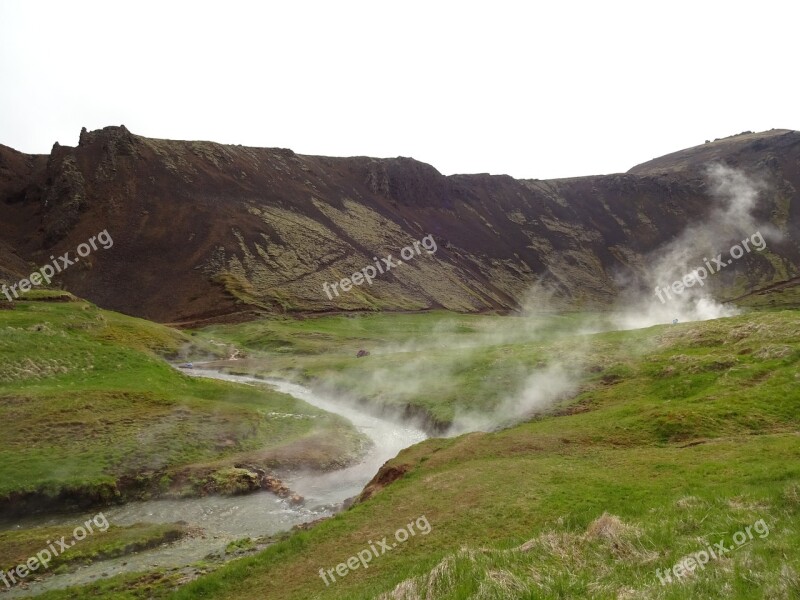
[
  {"x": 678, "y": 438},
  {"x": 93, "y": 413},
  {"x": 656, "y": 443}
]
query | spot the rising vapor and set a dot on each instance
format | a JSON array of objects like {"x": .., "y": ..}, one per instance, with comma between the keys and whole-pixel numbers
[{"x": 734, "y": 196}]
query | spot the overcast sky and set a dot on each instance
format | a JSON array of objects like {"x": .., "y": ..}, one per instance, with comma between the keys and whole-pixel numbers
[{"x": 531, "y": 89}]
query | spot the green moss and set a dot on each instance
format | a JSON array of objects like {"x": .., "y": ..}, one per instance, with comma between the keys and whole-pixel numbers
[
  {"x": 242, "y": 544},
  {"x": 233, "y": 481}
]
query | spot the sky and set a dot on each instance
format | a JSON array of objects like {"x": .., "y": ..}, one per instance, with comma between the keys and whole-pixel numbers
[{"x": 529, "y": 89}]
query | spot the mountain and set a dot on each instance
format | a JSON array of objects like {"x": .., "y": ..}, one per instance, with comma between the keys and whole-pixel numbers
[{"x": 204, "y": 231}]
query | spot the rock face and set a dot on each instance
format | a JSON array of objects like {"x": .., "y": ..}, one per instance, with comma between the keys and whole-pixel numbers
[{"x": 210, "y": 231}]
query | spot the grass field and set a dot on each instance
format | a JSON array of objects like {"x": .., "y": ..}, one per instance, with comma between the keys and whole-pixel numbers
[
  {"x": 440, "y": 363},
  {"x": 94, "y": 413},
  {"x": 672, "y": 439},
  {"x": 456, "y": 365},
  {"x": 676, "y": 438}
]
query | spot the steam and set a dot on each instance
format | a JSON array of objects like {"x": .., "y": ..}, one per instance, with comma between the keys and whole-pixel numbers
[
  {"x": 734, "y": 196},
  {"x": 395, "y": 376},
  {"x": 433, "y": 362},
  {"x": 540, "y": 391},
  {"x": 456, "y": 350}
]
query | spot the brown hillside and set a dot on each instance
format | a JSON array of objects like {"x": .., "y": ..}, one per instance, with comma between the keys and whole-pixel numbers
[{"x": 204, "y": 230}]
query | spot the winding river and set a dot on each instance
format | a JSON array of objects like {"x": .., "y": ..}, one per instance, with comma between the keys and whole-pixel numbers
[{"x": 225, "y": 519}]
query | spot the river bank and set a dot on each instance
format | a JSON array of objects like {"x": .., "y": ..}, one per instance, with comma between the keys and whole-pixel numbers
[{"x": 220, "y": 521}]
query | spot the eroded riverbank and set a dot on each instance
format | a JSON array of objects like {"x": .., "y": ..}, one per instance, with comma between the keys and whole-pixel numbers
[{"x": 220, "y": 520}]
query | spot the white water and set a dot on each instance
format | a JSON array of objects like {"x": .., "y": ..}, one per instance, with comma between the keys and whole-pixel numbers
[
  {"x": 388, "y": 438},
  {"x": 225, "y": 519}
]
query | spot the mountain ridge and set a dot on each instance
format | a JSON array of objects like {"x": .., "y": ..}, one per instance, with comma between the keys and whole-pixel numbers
[{"x": 211, "y": 231}]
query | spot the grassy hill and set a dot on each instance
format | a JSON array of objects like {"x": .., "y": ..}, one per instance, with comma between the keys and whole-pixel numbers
[{"x": 93, "y": 413}]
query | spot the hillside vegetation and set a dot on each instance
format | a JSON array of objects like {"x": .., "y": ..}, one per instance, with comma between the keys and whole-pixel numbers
[{"x": 93, "y": 414}]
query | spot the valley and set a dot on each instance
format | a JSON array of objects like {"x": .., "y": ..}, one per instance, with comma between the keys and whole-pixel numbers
[{"x": 532, "y": 418}]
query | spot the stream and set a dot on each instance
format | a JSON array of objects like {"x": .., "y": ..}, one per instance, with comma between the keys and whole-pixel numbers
[{"x": 225, "y": 519}]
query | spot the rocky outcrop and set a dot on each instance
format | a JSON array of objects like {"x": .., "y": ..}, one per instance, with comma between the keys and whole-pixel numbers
[
  {"x": 385, "y": 476},
  {"x": 266, "y": 481}
]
